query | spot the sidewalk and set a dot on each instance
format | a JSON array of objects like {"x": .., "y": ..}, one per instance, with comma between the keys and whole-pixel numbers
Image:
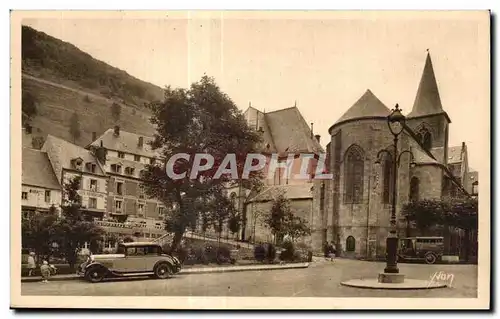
[{"x": 194, "y": 270}]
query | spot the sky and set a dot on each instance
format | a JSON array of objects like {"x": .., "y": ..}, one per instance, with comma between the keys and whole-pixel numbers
[{"x": 321, "y": 62}]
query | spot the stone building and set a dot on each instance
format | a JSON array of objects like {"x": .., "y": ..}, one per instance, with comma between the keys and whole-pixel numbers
[
  {"x": 123, "y": 156},
  {"x": 40, "y": 189},
  {"x": 353, "y": 209}
]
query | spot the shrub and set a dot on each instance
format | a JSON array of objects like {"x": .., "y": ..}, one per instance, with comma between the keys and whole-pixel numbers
[
  {"x": 260, "y": 253},
  {"x": 270, "y": 253},
  {"x": 223, "y": 254},
  {"x": 288, "y": 253}
]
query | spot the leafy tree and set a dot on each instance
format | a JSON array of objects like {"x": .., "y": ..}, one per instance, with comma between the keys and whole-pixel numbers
[
  {"x": 29, "y": 107},
  {"x": 116, "y": 111},
  {"x": 222, "y": 210},
  {"x": 462, "y": 214},
  {"x": 39, "y": 232},
  {"x": 277, "y": 217},
  {"x": 424, "y": 214},
  {"x": 234, "y": 223},
  {"x": 72, "y": 229},
  {"x": 296, "y": 227},
  {"x": 37, "y": 142},
  {"x": 74, "y": 127},
  {"x": 201, "y": 119}
]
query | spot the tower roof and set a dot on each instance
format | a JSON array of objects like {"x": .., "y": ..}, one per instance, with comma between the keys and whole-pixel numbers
[
  {"x": 368, "y": 105},
  {"x": 427, "y": 101}
]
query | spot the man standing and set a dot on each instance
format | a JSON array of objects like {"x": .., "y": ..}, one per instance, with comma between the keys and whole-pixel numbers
[{"x": 31, "y": 264}]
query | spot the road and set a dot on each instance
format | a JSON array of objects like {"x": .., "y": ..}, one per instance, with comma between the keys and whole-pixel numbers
[{"x": 321, "y": 279}]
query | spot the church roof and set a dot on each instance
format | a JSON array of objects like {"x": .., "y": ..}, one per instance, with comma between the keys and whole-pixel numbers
[
  {"x": 454, "y": 154},
  {"x": 368, "y": 105},
  {"x": 427, "y": 100}
]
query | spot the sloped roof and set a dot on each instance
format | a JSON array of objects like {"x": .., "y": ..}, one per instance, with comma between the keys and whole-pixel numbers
[
  {"x": 66, "y": 152},
  {"x": 126, "y": 142},
  {"x": 438, "y": 153},
  {"x": 473, "y": 176},
  {"x": 299, "y": 191},
  {"x": 427, "y": 100},
  {"x": 368, "y": 105},
  {"x": 37, "y": 170},
  {"x": 454, "y": 154},
  {"x": 290, "y": 132}
]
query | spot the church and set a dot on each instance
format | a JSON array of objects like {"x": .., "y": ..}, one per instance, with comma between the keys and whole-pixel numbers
[{"x": 353, "y": 208}]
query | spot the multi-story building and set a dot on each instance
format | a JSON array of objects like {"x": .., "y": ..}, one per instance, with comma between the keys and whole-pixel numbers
[
  {"x": 40, "y": 188},
  {"x": 125, "y": 156},
  {"x": 69, "y": 160}
]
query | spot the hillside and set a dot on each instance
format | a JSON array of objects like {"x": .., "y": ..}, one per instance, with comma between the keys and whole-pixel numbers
[{"x": 63, "y": 80}]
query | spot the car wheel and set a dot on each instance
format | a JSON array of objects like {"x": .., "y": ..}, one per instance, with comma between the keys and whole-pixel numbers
[
  {"x": 430, "y": 258},
  {"x": 95, "y": 275},
  {"x": 163, "y": 271}
]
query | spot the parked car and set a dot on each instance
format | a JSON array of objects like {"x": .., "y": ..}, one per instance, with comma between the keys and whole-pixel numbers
[
  {"x": 428, "y": 249},
  {"x": 131, "y": 259}
]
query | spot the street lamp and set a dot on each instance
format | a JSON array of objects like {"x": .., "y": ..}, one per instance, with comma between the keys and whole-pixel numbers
[{"x": 396, "y": 122}]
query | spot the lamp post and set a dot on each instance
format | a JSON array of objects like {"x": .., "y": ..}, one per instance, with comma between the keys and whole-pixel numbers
[{"x": 396, "y": 122}]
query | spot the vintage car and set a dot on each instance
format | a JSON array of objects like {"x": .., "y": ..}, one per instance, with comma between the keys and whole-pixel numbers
[
  {"x": 428, "y": 249},
  {"x": 131, "y": 259}
]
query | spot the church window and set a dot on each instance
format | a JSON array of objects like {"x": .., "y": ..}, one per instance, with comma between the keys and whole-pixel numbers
[
  {"x": 414, "y": 189},
  {"x": 388, "y": 182},
  {"x": 353, "y": 176},
  {"x": 350, "y": 244},
  {"x": 424, "y": 137}
]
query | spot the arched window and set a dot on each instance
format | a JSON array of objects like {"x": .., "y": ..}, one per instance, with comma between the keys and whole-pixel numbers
[
  {"x": 414, "y": 189},
  {"x": 388, "y": 180},
  {"x": 350, "y": 244},
  {"x": 424, "y": 137},
  {"x": 353, "y": 175}
]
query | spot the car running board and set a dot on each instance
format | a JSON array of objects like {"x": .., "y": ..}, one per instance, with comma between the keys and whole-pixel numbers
[{"x": 133, "y": 274}]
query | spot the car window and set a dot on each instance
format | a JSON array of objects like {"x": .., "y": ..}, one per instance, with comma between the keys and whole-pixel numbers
[
  {"x": 130, "y": 251},
  {"x": 141, "y": 251},
  {"x": 120, "y": 250},
  {"x": 153, "y": 250}
]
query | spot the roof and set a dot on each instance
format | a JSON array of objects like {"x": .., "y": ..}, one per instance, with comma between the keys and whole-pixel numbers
[
  {"x": 473, "y": 176},
  {"x": 126, "y": 142},
  {"x": 289, "y": 132},
  {"x": 37, "y": 170},
  {"x": 421, "y": 156},
  {"x": 427, "y": 100},
  {"x": 454, "y": 154},
  {"x": 299, "y": 191},
  {"x": 66, "y": 152},
  {"x": 368, "y": 105},
  {"x": 438, "y": 153}
]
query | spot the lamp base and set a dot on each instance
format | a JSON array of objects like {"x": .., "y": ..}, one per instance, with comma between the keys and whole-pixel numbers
[{"x": 391, "y": 278}]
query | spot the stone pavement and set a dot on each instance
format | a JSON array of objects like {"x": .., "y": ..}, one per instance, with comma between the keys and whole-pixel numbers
[{"x": 322, "y": 279}]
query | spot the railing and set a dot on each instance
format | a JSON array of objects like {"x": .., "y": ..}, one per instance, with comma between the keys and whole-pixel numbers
[{"x": 129, "y": 226}]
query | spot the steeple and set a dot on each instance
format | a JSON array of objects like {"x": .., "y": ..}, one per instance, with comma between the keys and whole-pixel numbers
[{"x": 427, "y": 101}]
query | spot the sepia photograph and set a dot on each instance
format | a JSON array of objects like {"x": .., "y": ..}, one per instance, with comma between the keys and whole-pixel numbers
[{"x": 250, "y": 159}]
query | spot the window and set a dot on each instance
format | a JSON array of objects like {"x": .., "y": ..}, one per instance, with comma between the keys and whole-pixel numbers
[
  {"x": 388, "y": 180},
  {"x": 350, "y": 244},
  {"x": 93, "y": 185},
  {"x": 161, "y": 211},
  {"x": 140, "y": 209},
  {"x": 119, "y": 188},
  {"x": 153, "y": 250},
  {"x": 137, "y": 158},
  {"x": 47, "y": 196},
  {"x": 115, "y": 168},
  {"x": 353, "y": 176},
  {"x": 121, "y": 155},
  {"x": 118, "y": 205},
  {"x": 474, "y": 188},
  {"x": 322, "y": 197},
  {"x": 91, "y": 167},
  {"x": 24, "y": 195},
  {"x": 92, "y": 202},
  {"x": 130, "y": 170},
  {"x": 425, "y": 138},
  {"x": 414, "y": 189}
]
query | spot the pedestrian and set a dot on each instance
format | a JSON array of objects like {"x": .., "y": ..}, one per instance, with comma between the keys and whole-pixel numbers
[
  {"x": 31, "y": 264},
  {"x": 45, "y": 270},
  {"x": 331, "y": 251},
  {"x": 326, "y": 250}
]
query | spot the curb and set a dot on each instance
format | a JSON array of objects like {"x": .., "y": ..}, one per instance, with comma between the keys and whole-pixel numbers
[{"x": 194, "y": 271}]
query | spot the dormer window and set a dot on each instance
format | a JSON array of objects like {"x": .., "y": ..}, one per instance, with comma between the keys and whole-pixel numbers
[
  {"x": 91, "y": 167},
  {"x": 121, "y": 155},
  {"x": 129, "y": 170},
  {"x": 77, "y": 163},
  {"x": 116, "y": 168}
]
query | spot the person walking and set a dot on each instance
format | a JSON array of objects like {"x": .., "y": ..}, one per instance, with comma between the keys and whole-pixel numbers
[
  {"x": 331, "y": 251},
  {"x": 45, "y": 270},
  {"x": 31, "y": 264}
]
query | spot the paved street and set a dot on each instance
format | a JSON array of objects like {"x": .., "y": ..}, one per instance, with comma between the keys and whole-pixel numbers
[{"x": 321, "y": 279}]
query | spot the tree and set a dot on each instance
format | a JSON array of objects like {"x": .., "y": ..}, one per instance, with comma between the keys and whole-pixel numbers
[
  {"x": 201, "y": 119},
  {"x": 296, "y": 227},
  {"x": 116, "y": 111},
  {"x": 277, "y": 217},
  {"x": 424, "y": 214},
  {"x": 74, "y": 127},
  {"x": 29, "y": 107},
  {"x": 39, "y": 232},
  {"x": 72, "y": 229},
  {"x": 222, "y": 210},
  {"x": 462, "y": 214},
  {"x": 234, "y": 223},
  {"x": 37, "y": 142}
]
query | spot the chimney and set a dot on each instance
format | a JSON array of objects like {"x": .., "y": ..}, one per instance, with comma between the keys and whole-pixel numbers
[
  {"x": 94, "y": 136},
  {"x": 140, "y": 143},
  {"x": 117, "y": 130},
  {"x": 312, "y": 130},
  {"x": 102, "y": 144},
  {"x": 318, "y": 138}
]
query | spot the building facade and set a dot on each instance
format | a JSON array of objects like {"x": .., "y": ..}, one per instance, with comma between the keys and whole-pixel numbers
[
  {"x": 123, "y": 156},
  {"x": 40, "y": 189},
  {"x": 353, "y": 209}
]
